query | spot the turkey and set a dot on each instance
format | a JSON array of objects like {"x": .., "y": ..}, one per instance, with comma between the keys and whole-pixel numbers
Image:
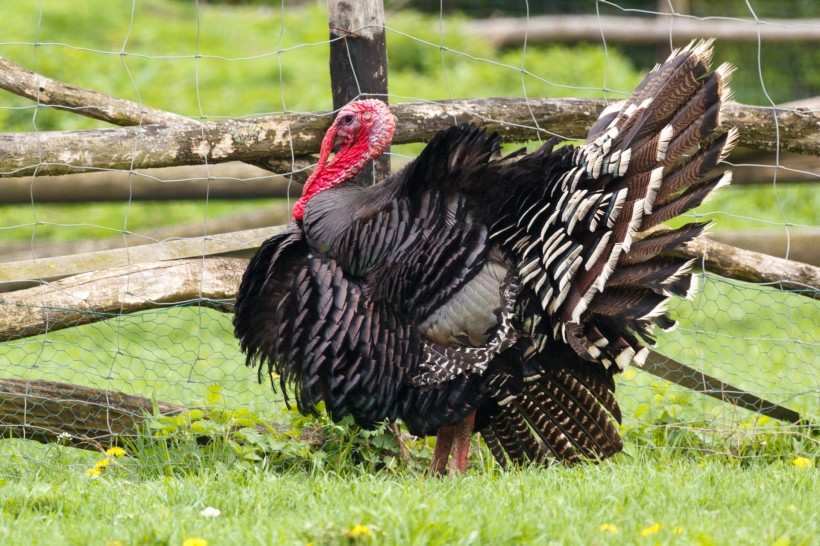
[{"x": 476, "y": 292}]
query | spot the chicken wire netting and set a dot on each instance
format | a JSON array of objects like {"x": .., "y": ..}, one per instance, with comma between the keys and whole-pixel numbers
[{"x": 216, "y": 61}]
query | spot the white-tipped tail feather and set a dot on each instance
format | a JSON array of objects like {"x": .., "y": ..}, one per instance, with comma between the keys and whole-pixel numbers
[{"x": 667, "y": 131}]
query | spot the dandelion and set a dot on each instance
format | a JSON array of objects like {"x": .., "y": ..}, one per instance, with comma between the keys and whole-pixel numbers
[
  {"x": 102, "y": 463},
  {"x": 651, "y": 530},
  {"x": 194, "y": 541},
  {"x": 359, "y": 531},
  {"x": 113, "y": 543},
  {"x": 115, "y": 452},
  {"x": 608, "y": 528},
  {"x": 94, "y": 471},
  {"x": 210, "y": 512},
  {"x": 802, "y": 462}
]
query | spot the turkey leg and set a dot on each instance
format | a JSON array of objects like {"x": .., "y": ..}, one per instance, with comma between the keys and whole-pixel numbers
[{"x": 453, "y": 439}]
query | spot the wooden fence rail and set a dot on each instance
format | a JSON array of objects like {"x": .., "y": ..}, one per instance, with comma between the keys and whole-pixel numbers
[
  {"x": 280, "y": 136},
  {"x": 506, "y": 32},
  {"x": 130, "y": 280},
  {"x": 242, "y": 181}
]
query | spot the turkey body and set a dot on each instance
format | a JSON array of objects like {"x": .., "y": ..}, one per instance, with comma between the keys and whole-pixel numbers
[{"x": 499, "y": 291}]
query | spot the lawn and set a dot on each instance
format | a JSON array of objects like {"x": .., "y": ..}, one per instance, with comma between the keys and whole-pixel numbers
[{"x": 650, "y": 498}]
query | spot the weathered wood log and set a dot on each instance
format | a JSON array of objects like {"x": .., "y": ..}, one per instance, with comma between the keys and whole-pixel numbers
[
  {"x": 95, "y": 296},
  {"x": 236, "y": 180},
  {"x": 676, "y": 372},
  {"x": 46, "y": 91},
  {"x": 96, "y": 419},
  {"x": 82, "y": 417},
  {"x": 280, "y": 136},
  {"x": 753, "y": 267},
  {"x": 48, "y": 269},
  {"x": 801, "y": 243},
  {"x": 772, "y": 128},
  {"x": 358, "y": 62},
  {"x": 152, "y": 146},
  {"x": 92, "y": 419},
  {"x": 508, "y": 31}
]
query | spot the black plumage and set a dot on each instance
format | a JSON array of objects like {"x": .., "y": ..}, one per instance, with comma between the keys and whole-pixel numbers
[{"x": 497, "y": 293}]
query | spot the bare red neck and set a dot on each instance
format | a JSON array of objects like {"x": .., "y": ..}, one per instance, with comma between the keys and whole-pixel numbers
[{"x": 361, "y": 132}]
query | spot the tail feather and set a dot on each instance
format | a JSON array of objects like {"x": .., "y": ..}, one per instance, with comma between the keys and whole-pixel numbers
[
  {"x": 592, "y": 431},
  {"x": 698, "y": 104},
  {"x": 519, "y": 436},
  {"x": 491, "y": 439},
  {"x": 597, "y": 381},
  {"x": 694, "y": 133},
  {"x": 553, "y": 419},
  {"x": 670, "y": 84},
  {"x": 690, "y": 172},
  {"x": 692, "y": 197},
  {"x": 662, "y": 241},
  {"x": 568, "y": 414},
  {"x": 629, "y": 302},
  {"x": 670, "y": 276},
  {"x": 668, "y": 130}
]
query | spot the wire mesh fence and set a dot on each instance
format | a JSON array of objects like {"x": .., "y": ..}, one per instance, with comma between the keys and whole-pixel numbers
[{"x": 218, "y": 61}]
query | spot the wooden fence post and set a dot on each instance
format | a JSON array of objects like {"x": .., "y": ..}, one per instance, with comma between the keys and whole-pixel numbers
[{"x": 358, "y": 62}]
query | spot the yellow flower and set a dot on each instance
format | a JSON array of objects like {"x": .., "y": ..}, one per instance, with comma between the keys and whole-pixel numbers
[
  {"x": 115, "y": 451},
  {"x": 609, "y": 527},
  {"x": 113, "y": 543},
  {"x": 359, "y": 531},
  {"x": 629, "y": 373},
  {"x": 102, "y": 463},
  {"x": 802, "y": 462},
  {"x": 194, "y": 541},
  {"x": 651, "y": 530},
  {"x": 93, "y": 471},
  {"x": 678, "y": 530}
]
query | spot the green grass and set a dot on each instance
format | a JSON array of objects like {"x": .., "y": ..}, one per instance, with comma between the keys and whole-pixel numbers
[
  {"x": 50, "y": 222},
  {"x": 760, "y": 206},
  {"x": 53, "y": 501}
]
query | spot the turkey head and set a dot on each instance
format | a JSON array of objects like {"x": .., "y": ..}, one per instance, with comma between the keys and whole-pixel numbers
[{"x": 361, "y": 131}]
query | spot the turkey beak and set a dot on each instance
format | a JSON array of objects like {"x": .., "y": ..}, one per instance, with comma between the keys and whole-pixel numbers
[{"x": 338, "y": 140}]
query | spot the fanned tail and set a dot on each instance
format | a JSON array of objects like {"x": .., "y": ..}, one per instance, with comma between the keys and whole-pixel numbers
[
  {"x": 597, "y": 277},
  {"x": 578, "y": 238},
  {"x": 673, "y": 138}
]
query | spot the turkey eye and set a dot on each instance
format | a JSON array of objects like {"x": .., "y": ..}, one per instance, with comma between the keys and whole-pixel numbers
[{"x": 346, "y": 120}]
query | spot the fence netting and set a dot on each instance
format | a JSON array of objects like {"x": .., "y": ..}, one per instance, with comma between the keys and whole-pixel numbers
[{"x": 221, "y": 60}]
